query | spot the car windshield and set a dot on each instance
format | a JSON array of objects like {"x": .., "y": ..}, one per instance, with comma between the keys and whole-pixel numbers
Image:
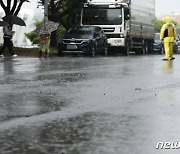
[
  {"x": 178, "y": 31},
  {"x": 80, "y": 32},
  {"x": 157, "y": 36},
  {"x": 102, "y": 16}
]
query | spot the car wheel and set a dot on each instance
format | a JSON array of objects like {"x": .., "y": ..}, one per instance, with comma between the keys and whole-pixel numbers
[
  {"x": 60, "y": 53},
  {"x": 105, "y": 50},
  {"x": 162, "y": 50},
  {"x": 93, "y": 51},
  {"x": 175, "y": 48}
]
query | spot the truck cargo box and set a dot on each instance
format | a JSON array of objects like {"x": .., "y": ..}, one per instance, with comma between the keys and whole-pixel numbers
[{"x": 142, "y": 14}]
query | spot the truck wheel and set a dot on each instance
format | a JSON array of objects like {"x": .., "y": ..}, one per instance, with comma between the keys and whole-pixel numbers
[
  {"x": 126, "y": 49},
  {"x": 145, "y": 49}
]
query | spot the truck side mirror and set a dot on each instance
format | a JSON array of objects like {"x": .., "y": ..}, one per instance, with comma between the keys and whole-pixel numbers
[{"x": 126, "y": 13}]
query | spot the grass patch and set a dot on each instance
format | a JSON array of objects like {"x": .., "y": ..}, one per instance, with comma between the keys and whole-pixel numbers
[
  {"x": 53, "y": 51},
  {"x": 29, "y": 51},
  {"x": 18, "y": 49}
]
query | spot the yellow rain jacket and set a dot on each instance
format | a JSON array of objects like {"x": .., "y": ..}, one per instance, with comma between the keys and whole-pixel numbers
[
  {"x": 168, "y": 34},
  {"x": 168, "y": 31}
]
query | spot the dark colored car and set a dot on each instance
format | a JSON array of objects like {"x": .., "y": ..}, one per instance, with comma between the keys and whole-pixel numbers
[
  {"x": 83, "y": 39},
  {"x": 177, "y": 40},
  {"x": 157, "y": 46},
  {"x": 177, "y": 43}
]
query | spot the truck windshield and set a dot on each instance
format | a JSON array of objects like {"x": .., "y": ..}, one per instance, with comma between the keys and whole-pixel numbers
[{"x": 102, "y": 16}]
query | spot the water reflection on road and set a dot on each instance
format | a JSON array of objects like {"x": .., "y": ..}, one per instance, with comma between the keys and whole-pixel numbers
[
  {"x": 93, "y": 132},
  {"x": 84, "y": 105}
]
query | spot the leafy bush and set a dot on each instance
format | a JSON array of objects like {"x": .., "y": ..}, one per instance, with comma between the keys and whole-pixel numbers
[
  {"x": 158, "y": 24},
  {"x": 60, "y": 31},
  {"x": 35, "y": 38}
]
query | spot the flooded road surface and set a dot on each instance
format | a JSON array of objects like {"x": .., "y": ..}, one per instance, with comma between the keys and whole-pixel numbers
[{"x": 84, "y": 105}]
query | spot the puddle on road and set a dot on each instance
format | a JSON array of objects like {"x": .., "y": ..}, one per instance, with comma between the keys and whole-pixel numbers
[{"x": 88, "y": 133}]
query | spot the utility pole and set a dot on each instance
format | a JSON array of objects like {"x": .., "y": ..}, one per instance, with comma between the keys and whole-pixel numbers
[{"x": 45, "y": 11}]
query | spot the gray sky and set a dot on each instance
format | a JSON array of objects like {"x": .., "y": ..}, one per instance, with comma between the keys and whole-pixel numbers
[
  {"x": 164, "y": 7},
  {"x": 31, "y": 4}
]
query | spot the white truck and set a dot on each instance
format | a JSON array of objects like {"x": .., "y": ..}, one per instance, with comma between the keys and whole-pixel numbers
[{"x": 128, "y": 24}]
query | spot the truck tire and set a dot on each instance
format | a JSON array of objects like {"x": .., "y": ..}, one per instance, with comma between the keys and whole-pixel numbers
[
  {"x": 145, "y": 49},
  {"x": 126, "y": 49}
]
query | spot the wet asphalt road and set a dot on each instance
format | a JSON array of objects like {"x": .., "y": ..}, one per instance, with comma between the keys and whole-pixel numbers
[{"x": 84, "y": 105}]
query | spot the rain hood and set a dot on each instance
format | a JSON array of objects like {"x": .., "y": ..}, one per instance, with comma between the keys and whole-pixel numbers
[{"x": 167, "y": 20}]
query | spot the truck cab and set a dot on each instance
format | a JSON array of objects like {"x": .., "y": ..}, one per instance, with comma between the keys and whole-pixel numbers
[
  {"x": 128, "y": 25},
  {"x": 110, "y": 17}
]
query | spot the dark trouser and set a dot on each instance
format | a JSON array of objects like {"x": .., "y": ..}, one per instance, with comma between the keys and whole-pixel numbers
[{"x": 7, "y": 43}]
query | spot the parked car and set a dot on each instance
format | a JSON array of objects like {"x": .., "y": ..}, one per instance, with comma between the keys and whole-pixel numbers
[
  {"x": 177, "y": 43},
  {"x": 177, "y": 40},
  {"x": 157, "y": 46},
  {"x": 83, "y": 39}
]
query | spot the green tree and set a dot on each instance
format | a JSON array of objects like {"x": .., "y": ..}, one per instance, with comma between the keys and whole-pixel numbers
[
  {"x": 34, "y": 36},
  {"x": 12, "y": 7},
  {"x": 159, "y": 23},
  {"x": 65, "y": 12}
]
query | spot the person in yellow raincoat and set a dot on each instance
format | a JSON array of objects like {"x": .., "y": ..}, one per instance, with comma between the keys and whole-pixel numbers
[
  {"x": 44, "y": 44},
  {"x": 168, "y": 34}
]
